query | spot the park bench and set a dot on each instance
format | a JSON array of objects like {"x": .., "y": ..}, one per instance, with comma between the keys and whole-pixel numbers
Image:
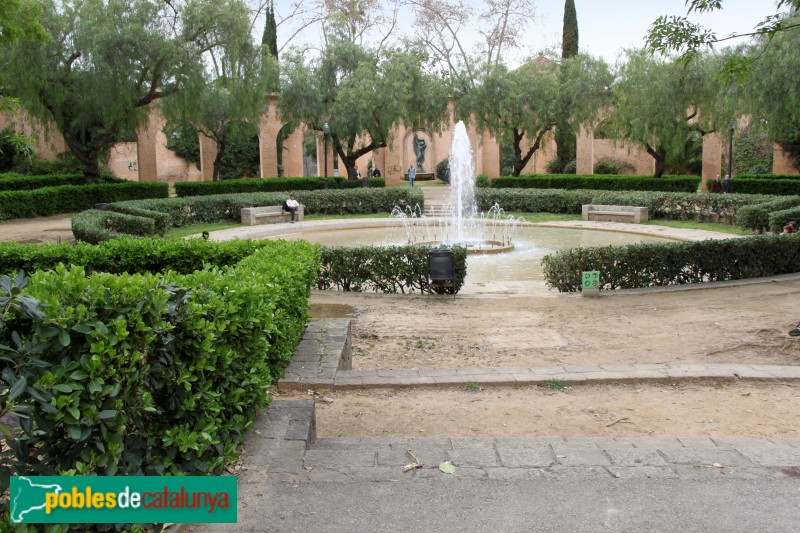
[
  {"x": 614, "y": 213},
  {"x": 270, "y": 214}
]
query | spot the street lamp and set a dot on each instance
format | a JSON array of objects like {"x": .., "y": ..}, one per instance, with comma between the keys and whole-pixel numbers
[
  {"x": 730, "y": 155},
  {"x": 326, "y": 130}
]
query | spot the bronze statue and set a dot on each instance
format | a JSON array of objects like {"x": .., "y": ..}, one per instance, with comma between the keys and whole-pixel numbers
[{"x": 420, "y": 145}]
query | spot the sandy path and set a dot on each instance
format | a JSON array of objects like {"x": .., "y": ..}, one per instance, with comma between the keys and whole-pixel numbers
[{"x": 56, "y": 228}]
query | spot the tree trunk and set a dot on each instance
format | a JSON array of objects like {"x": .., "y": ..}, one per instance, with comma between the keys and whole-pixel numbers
[
  {"x": 221, "y": 146},
  {"x": 660, "y": 156}
]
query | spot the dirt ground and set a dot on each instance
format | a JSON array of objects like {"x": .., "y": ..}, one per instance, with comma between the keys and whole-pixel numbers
[{"x": 742, "y": 324}]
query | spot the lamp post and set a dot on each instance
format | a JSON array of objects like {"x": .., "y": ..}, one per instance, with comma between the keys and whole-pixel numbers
[
  {"x": 730, "y": 155},
  {"x": 326, "y": 130}
]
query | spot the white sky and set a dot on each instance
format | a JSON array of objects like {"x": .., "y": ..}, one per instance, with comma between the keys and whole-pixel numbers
[{"x": 605, "y": 26}]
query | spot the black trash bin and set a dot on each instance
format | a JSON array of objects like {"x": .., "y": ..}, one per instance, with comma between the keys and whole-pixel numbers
[
  {"x": 442, "y": 271},
  {"x": 101, "y": 206}
]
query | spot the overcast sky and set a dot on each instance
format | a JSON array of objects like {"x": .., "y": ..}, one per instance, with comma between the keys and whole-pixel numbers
[{"x": 605, "y": 26}]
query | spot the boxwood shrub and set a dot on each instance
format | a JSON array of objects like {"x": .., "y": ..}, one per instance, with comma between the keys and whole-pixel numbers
[
  {"x": 203, "y": 188},
  {"x": 687, "y": 184},
  {"x": 71, "y": 198},
  {"x": 767, "y": 177},
  {"x": 127, "y": 255},
  {"x": 757, "y": 217},
  {"x": 390, "y": 269},
  {"x": 667, "y": 205},
  {"x": 779, "y": 219},
  {"x": 227, "y": 207},
  {"x": 784, "y": 187},
  {"x": 19, "y": 182},
  {"x": 649, "y": 265},
  {"x": 149, "y": 374}
]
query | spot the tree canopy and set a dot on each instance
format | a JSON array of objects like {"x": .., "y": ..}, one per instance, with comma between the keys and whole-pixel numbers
[
  {"x": 659, "y": 104},
  {"x": 360, "y": 95},
  {"x": 106, "y": 62}
]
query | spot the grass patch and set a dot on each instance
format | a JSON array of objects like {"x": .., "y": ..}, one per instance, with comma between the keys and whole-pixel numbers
[
  {"x": 555, "y": 384},
  {"x": 544, "y": 217},
  {"x": 185, "y": 231},
  {"x": 339, "y": 217},
  {"x": 473, "y": 386},
  {"x": 708, "y": 226}
]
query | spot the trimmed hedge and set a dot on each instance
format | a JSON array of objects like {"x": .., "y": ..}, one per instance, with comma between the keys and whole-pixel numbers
[
  {"x": 666, "y": 205},
  {"x": 650, "y": 265},
  {"x": 20, "y": 182},
  {"x": 389, "y": 269},
  {"x": 203, "y": 188},
  {"x": 128, "y": 255},
  {"x": 150, "y": 374},
  {"x": 70, "y": 198},
  {"x": 757, "y": 217},
  {"x": 783, "y": 187},
  {"x": 179, "y": 212},
  {"x": 687, "y": 184},
  {"x": 779, "y": 219},
  {"x": 767, "y": 177}
]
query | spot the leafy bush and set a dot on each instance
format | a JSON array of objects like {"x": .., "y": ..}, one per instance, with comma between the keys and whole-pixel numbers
[
  {"x": 571, "y": 167},
  {"x": 19, "y": 182},
  {"x": 757, "y": 217},
  {"x": 227, "y": 207},
  {"x": 443, "y": 170},
  {"x": 64, "y": 163},
  {"x": 482, "y": 181},
  {"x": 767, "y": 176},
  {"x": 784, "y": 187},
  {"x": 649, "y": 265},
  {"x": 666, "y": 205},
  {"x": 69, "y": 198},
  {"x": 390, "y": 269},
  {"x": 779, "y": 219},
  {"x": 150, "y": 374},
  {"x": 94, "y": 226},
  {"x": 607, "y": 183},
  {"x": 128, "y": 255},
  {"x": 203, "y": 188}
]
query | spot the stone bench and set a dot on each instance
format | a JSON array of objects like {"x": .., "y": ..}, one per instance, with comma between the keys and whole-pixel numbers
[
  {"x": 615, "y": 213},
  {"x": 271, "y": 214}
]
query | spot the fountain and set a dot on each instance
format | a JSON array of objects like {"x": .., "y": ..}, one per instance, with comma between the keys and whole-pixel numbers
[{"x": 479, "y": 233}]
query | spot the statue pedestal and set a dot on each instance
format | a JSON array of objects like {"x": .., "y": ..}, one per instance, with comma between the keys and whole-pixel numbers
[{"x": 421, "y": 176}]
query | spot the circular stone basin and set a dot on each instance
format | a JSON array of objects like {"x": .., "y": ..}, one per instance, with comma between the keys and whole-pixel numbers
[
  {"x": 524, "y": 263},
  {"x": 476, "y": 247}
]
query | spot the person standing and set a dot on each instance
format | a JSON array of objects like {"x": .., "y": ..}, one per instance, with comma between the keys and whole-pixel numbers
[
  {"x": 716, "y": 185},
  {"x": 412, "y": 172},
  {"x": 727, "y": 184}
]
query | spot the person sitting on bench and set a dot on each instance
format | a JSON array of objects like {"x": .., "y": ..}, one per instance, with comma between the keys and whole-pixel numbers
[{"x": 291, "y": 206}]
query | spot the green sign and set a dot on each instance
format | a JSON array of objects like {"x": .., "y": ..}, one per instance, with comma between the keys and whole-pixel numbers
[
  {"x": 591, "y": 279},
  {"x": 122, "y": 500}
]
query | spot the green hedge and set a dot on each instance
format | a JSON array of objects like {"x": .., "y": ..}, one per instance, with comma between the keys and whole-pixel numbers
[
  {"x": 687, "y": 184},
  {"x": 757, "y": 217},
  {"x": 767, "y": 177},
  {"x": 70, "y": 198},
  {"x": 128, "y": 255},
  {"x": 779, "y": 219},
  {"x": 20, "y": 182},
  {"x": 389, "y": 269},
  {"x": 649, "y": 265},
  {"x": 150, "y": 374},
  {"x": 666, "y": 205},
  {"x": 203, "y": 188},
  {"x": 783, "y": 187},
  {"x": 179, "y": 212}
]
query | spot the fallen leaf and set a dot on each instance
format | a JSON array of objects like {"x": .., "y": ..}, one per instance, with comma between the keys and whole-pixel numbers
[{"x": 447, "y": 467}]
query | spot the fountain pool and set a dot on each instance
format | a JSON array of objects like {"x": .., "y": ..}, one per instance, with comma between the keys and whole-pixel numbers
[{"x": 523, "y": 264}]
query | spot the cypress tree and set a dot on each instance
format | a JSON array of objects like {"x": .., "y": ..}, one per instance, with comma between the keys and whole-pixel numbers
[
  {"x": 565, "y": 136},
  {"x": 569, "y": 35},
  {"x": 269, "y": 42}
]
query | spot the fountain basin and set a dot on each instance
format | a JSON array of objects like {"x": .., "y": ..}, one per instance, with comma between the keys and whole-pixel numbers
[{"x": 476, "y": 247}]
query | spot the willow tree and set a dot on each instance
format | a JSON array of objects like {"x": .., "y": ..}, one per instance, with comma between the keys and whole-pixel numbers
[
  {"x": 660, "y": 104},
  {"x": 773, "y": 90},
  {"x": 106, "y": 62},
  {"x": 362, "y": 96}
]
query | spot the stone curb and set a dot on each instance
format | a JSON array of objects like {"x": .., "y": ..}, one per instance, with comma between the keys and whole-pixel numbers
[{"x": 324, "y": 360}]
